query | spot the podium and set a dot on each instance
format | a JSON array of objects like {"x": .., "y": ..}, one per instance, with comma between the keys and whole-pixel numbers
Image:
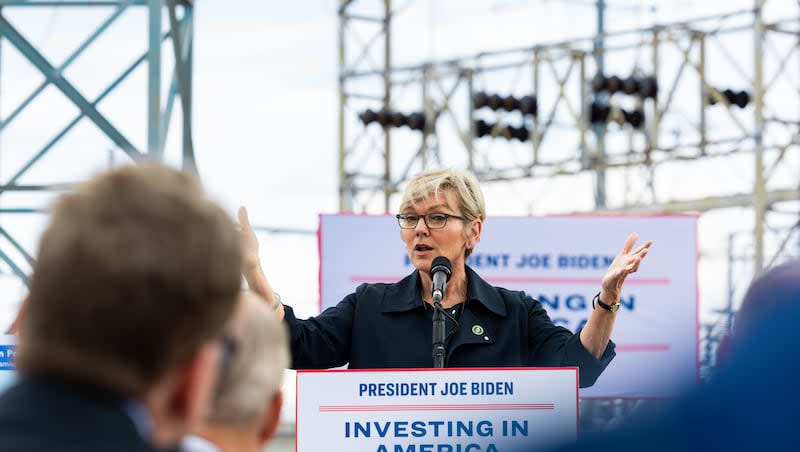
[{"x": 436, "y": 410}]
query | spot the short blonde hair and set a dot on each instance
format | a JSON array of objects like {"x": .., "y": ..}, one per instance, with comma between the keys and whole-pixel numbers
[{"x": 437, "y": 183}]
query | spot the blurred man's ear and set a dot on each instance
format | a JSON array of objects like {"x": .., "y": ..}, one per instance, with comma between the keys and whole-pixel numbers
[
  {"x": 272, "y": 418},
  {"x": 182, "y": 398},
  {"x": 194, "y": 386},
  {"x": 15, "y": 325},
  {"x": 724, "y": 350}
]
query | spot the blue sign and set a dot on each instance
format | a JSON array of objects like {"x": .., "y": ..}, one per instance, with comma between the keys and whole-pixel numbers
[{"x": 8, "y": 357}]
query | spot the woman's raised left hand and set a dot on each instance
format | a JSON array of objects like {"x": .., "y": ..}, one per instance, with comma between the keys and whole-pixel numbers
[{"x": 626, "y": 262}]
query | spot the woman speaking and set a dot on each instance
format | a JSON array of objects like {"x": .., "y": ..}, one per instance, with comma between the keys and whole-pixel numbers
[{"x": 389, "y": 325}]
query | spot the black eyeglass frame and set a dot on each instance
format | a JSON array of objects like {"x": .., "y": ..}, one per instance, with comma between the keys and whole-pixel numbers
[
  {"x": 400, "y": 217},
  {"x": 230, "y": 348}
]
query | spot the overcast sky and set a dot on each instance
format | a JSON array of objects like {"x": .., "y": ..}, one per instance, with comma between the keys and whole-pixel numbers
[{"x": 265, "y": 101}]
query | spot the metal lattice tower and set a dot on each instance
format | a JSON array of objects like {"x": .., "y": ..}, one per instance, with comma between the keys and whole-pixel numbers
[
  {"x": 691, "y": 135},
  {"x": 167, "y": 56}
]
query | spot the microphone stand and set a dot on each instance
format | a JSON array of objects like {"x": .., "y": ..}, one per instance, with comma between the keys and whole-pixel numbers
[{"x": 438, "y": 331}]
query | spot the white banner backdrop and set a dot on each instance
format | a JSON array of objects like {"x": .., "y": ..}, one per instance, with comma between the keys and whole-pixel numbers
[
  {"x": 436, "y": 410},
  {"x": 560, "y": 261}
]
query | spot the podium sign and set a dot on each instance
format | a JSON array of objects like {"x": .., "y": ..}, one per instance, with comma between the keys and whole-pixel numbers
[{"x": 436, "y": 410}]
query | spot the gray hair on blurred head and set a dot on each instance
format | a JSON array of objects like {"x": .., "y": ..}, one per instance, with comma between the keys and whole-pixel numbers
[{"x": 255, "y": 373}]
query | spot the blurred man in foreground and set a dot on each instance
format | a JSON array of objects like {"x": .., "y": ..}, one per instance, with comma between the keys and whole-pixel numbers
[
  {"x": 751, "y": 404},
  {"x": 247, "y": 405},
  {"x": 119, "y": 346}
]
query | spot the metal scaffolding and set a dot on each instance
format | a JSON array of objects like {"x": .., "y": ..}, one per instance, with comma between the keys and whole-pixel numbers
[
  {"x": 697, "y": 151},
  {"x": 178, "y": 33},
  {"x": 691, "y": 124}
]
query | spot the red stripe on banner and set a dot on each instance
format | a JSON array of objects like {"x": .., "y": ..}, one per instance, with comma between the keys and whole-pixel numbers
[
  {"x": 471, "y": 407},
  {"x": 524, "y": 280},
  {"x": 643, "y": 347},
  {"x": 592, "y": 281},
  {"x": 375, "y": 279}
]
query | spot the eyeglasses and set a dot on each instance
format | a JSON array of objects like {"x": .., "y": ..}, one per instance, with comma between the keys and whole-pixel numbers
[
  {"x": 229, "y": 350},
  {"x": 432, "y": 220}
]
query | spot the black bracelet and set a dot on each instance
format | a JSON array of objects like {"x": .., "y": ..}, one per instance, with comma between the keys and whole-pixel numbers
[{"x": 610, "y": 308}]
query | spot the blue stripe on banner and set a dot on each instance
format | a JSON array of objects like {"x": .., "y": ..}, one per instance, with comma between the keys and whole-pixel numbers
[{"x": 8, "y": 355}]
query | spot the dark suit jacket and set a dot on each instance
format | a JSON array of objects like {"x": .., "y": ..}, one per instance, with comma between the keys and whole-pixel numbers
[
  {"x": 39, "y": 414},
  {"x": 750, "y": 405},
  {"x": 389, "y": 326}
]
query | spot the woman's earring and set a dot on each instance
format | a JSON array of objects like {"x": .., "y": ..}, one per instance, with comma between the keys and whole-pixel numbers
[{"x": 469, "y": 244}]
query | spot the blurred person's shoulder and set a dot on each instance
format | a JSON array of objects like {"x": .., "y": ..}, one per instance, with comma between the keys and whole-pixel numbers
[
  {"x": 750, "y": 404},
  {"x": 38, "y": 414}
]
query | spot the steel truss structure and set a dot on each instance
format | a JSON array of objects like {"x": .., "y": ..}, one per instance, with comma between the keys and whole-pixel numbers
[
  {"x": 178, "y": 34},
  {"x": 696, "y": 151}
]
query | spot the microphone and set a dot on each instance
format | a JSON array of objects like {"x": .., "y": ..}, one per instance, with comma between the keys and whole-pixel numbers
[{"x": 441, "y": 269}]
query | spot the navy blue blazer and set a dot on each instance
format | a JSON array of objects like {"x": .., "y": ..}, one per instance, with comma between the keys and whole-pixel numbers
[
  {"x": 383, "y": 326},
  {"x": 41, "y": 415}
]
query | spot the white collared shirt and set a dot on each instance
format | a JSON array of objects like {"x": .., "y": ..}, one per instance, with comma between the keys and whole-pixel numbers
[{"x": 192, "y": 443}]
